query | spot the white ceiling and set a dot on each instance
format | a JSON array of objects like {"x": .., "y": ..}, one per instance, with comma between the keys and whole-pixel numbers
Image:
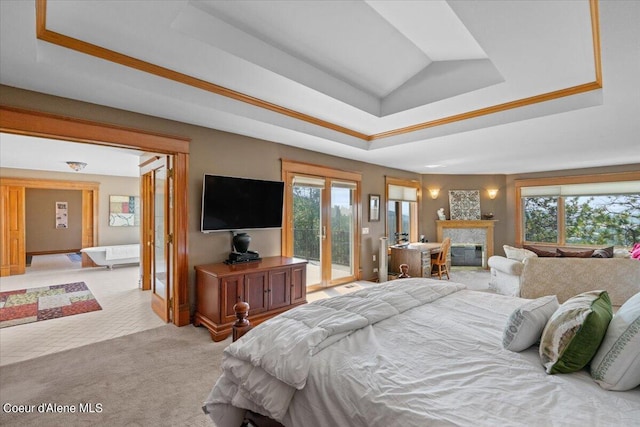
[
  {"x": 25, "y": 152},
  {"x": 342, "y": 71}
]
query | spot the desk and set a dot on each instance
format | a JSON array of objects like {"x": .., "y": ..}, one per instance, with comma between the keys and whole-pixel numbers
[{"x": 417, "y": 256}]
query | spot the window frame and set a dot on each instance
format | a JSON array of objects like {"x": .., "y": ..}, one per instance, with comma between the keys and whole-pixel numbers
[
  {"x": 566, "y": 180},
  {"x": 413, "y": 209}
]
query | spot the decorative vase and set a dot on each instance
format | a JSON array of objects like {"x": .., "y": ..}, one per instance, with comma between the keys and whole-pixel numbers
[{"x": 241, "y": 242}]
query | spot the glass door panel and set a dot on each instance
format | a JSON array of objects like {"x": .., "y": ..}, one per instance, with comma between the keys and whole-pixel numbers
[
  {"x": 307, "y": 225},
  {"x": 159, "y": 264},
  {"x": 343, "y": 216},
  {"x": 156, "y": 254}
]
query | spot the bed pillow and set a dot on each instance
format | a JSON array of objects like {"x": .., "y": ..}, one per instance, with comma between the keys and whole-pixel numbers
[
  {"x": 574, "y": 332},
  {"x": 526, "y": 323},
  {"x": 517, "y": 254},
  {"x": 616, "y": 365}
]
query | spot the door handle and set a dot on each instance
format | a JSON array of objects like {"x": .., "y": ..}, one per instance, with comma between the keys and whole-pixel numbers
[{"x": 324, "y": 232}]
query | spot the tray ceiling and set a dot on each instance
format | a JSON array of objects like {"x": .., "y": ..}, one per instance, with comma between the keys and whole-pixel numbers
[{"x": 476, "y": 87}]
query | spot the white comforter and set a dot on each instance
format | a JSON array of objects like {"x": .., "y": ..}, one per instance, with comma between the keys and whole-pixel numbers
[
  {"x": 433, "y": 364},
  {"x": 262, "y": 371}
]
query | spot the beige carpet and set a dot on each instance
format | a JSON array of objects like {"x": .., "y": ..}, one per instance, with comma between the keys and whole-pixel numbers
[{"x": 158, "y": 377}]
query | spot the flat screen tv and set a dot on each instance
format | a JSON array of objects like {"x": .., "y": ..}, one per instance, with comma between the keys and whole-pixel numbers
[{"x": 230, "y": 203}]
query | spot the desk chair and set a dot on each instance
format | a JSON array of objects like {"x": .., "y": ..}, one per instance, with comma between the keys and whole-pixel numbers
[{"x": 439, "y": 265}]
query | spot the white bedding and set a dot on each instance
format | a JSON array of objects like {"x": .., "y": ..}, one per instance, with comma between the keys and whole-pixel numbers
[{"x": 440, "y": 363}]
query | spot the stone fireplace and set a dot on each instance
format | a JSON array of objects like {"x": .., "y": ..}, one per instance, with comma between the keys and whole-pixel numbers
[{"x": 471, "y": 240}]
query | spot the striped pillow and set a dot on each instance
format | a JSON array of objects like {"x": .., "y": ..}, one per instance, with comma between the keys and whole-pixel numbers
[{"x": 616, "y": 365}]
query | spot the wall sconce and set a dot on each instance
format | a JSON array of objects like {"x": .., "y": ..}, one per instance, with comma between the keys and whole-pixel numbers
[
  {"x": 493, "y": 192},
  {"x": 77, "y": 166},
  {"x": 434, "y": 193}
]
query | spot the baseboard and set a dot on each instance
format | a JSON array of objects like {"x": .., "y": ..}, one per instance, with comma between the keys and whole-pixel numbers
[{"x": 54, "y": 252}]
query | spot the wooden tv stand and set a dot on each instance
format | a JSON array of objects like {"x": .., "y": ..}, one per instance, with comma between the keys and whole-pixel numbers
[{"x": 270, "y": 286}]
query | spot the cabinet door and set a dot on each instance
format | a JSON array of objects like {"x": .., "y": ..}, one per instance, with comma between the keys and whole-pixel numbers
[
  {"x": 256, "y": 289},
  {"x": 411, "y": 257},
  {"x": 230, "y": 294},
  {"x": 279, "y": 292},
  {"x": 298, "y": 284}
]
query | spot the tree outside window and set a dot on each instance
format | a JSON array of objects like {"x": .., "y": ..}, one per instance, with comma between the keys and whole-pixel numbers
[
  {"x": 541, "y": 219},
  {"x": 597, "y": 220},
  {"x": 612, "y": 219}
]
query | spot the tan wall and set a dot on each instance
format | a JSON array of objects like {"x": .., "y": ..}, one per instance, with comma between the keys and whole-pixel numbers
[
  {"x": 40, "y": 221},
  {"x": 464, "y": 182},
  {"x": 230, "y": 154},
  {"x": 224, "y": 153},
  {"x": 109, "y": 185}
]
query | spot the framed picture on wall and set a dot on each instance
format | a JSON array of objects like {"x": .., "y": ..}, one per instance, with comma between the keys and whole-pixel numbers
[
  {"x": 62, "y": 218},
  {"x": 124, "y": 211},
  {"x": 374, "y": 207},
  {"x": 464, "y": 204}
]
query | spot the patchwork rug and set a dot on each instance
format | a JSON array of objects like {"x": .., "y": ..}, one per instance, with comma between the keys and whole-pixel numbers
[{"x": 48, "y": 302}]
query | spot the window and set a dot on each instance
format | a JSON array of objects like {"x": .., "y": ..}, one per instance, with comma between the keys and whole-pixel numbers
[
  {"x": 566, "y": 212},
  {"x": 402, "y": 210}
]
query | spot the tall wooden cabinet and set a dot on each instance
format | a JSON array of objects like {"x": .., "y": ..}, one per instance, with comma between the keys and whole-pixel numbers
[{"x": 270, "y": 286}]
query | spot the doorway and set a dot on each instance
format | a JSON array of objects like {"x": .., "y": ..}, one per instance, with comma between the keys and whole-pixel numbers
[
  {"x": 12, "y": 227},
  {"x": 322, "y": 215},
  {"x": 24, "y": 122}
]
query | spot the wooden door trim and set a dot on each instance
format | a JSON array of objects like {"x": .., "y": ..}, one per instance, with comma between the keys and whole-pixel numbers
[
  {"x": 35, "y": 123},
  {"x": 147, "y": 214},
  {"x": 290, "y": 168},
  {"x": 12, "y": 238},
  {"x": 49, "y": 184},
  {"x": 89, "y": 207}
]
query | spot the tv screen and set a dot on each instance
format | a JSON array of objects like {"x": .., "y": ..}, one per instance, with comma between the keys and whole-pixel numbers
[{"x": 230, "y": 203}]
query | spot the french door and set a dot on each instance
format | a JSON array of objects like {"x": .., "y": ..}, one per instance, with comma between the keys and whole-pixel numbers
[
  {"x": 321, "y": 224},
  {"x": 157, "y": 234}
]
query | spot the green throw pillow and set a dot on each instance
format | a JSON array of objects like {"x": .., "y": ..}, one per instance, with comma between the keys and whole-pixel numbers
[{"x": 574, "y": 332}]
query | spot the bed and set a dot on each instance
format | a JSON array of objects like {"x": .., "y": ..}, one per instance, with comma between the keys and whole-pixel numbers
[{"x": 434, "y": 358}]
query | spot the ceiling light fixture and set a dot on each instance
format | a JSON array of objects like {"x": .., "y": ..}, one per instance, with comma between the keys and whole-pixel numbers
[
  {"x": 434, "y": 193},
  {"x": 77, "y": 166},
  {"x": 434, "y": 166}
]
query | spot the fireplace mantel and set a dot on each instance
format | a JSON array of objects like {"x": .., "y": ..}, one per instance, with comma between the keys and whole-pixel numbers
[{"x": 488, "y": 225}]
